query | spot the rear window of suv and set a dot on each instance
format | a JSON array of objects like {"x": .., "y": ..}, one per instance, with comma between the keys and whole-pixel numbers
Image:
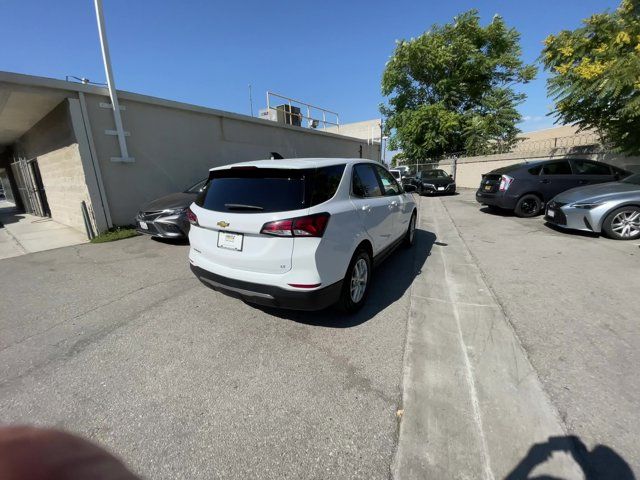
[{"x": 265, "y": 190}]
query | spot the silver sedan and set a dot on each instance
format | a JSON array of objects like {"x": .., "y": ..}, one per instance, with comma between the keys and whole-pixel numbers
[{"x": 612, "y": 208}]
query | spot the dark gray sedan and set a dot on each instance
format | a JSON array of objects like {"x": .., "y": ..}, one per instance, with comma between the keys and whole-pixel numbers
[
  {"x": 612, "y": 208},
  {"x": 166, "y": 216}
]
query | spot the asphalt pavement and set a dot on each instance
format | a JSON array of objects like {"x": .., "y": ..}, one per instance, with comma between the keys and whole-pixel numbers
[
  {"x": 573, "y": 300},
  {"x": 120, "y": 343},
  {"x": 495, "y": 348}
]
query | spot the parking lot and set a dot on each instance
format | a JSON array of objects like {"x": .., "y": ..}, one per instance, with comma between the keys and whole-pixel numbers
[
  {"x": 491, "y": 334},
  {"x": 572, "y": 299}
]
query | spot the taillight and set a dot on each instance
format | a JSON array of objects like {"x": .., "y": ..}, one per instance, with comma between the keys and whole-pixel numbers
[
  {"x": 192, "y": 217},
  {"x": 505, "y": 182},
  {"x": 308, "y": 226}
]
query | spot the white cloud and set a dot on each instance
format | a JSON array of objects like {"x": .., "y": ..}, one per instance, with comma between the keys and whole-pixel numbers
[{"x": 534, "y": 118}]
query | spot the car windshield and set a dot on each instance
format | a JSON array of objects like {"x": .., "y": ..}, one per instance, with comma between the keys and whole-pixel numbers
[
  {"x": 197, "y": 188},
  {"x": 435, "y": 174},
  {"x": 633, "y": 179}
]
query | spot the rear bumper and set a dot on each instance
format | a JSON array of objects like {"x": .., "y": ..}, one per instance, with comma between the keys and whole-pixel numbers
[
  {"x": 269, "y": 295},
  {"x": 496, "y": 200}
]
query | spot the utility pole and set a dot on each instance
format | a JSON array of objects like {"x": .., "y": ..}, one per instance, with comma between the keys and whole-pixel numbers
[
  {"x": 250, "y": 100},
  {"x": 106, "y": 58}
]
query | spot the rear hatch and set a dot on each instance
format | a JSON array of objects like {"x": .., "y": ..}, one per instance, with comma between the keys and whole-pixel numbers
[
  {"x": 490, "y": 182},
  {"x": 233, "y": 208}
]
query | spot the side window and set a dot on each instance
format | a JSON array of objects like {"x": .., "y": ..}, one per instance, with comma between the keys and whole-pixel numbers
[
  {"x": 365, "y": 181},
  {"x": 325, "y": 183},
  {"x": 389, "y": 183},
  {"x": 586, "y": 167},
  {"x": 620, "y": 172},
  {"x": 535, "y": 170},
  {"x": 560, "y": 167}
]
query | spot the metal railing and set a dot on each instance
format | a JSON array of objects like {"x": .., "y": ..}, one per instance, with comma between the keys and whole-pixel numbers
[
  {"x": 587, "y": 142},
  {"x": 312, "y": 122},
  {"x": 585, "y": 139}
]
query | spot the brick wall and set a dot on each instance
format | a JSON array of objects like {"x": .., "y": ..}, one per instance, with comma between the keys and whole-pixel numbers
[
  {"x": 53, "y": 143},
  {"x": 65, "y": 185}
]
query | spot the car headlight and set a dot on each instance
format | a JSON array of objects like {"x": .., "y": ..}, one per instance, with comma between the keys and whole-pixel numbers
[
  {"x": 174, "y": 211},
  {"x": 586, "y": 205},
  {"x": 428, "y": 185}
]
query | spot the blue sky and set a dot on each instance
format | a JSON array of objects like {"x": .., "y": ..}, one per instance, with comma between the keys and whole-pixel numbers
[{"x": 329, "y": 53}]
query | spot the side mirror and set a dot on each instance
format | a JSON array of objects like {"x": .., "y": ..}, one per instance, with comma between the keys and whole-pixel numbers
[{"x": 409, "y": 188}]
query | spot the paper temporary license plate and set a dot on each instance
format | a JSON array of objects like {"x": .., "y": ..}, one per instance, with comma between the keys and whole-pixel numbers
[
  {"x": 487, "y": 187},
  {"x": 144, "y": 226},
  {"x": 231, "y": 241},
  {"x": 551, "y": 213}
]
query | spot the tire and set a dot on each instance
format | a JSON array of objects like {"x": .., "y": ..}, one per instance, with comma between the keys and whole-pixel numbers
[
  {"x": 410, "y": 237},
  {"x": 528, "y": 206},
  {"x": 623, "y": 223},
  {"x": 351, "y": 300}
]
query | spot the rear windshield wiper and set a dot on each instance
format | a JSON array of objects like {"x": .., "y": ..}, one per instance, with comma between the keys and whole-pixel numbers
[{"x": 240, "y": 206}]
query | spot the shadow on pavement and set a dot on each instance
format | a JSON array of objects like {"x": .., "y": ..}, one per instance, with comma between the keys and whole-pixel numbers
[
  {"x": 9, "y": 213},
  {"x": 498, "y": 212},
  {"x": 171, "y": 241},
  {"x": 390, "y": 281},
  {"x": 601, "y": 463}
]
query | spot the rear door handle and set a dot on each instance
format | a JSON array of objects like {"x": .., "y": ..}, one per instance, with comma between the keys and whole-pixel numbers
[
  {"x": 366, "y": 208},
  {"x": 393, "y": 204},
  {"x": 546, "y": 180}
]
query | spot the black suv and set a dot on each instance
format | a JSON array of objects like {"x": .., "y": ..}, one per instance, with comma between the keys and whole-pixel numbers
[
  {"x": 526, "y": 187},
  {"x": 432, "y": 181}
]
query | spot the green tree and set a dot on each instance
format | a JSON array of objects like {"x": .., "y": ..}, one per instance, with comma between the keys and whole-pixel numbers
[
  {"x": 450, "y": 89},
  {"x": 595, "y": 78},
  {"x": 399, "y": 159}
]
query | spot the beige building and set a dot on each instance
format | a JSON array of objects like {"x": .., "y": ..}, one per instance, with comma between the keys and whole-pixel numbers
[
  {"x": 58, "y": 147},
  {"x": 369, "y": 130}
]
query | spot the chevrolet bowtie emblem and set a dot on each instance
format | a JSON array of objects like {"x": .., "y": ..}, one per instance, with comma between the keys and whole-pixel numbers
[{"x": 223, "y": 224}]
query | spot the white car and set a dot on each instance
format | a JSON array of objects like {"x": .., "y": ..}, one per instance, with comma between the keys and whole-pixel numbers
[
  {"x": 397, "y": 174},
  {"x": 302, "y": 234}
]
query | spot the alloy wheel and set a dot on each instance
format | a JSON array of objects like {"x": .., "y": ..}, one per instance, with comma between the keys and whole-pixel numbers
[
  {"x": 626, "y": 224},
  {"x": 529, "y": 206},
  {"x": 359, "y": 279}
]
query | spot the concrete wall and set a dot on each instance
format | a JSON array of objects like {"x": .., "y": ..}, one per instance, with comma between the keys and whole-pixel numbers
[
  {"x": 174, "y": 146},
  {"x": 52, "y": 141},
  {"x": 469, "y": 170},
  {"x": 65, "y": 185}
]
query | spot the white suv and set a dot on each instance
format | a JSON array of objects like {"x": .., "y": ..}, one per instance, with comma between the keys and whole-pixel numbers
[{"x": 301, "y": 233}]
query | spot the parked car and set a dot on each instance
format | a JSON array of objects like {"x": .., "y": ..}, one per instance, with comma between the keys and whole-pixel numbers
[
  {"x": 166, "y": 217},
  {"x": 610, "y": 207},
  {"x": 526, "y": 187},
  {"x": 429, "y": 182},
  {"x": 298, "y": 233},
  {"x": 397, "y": 174}
]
